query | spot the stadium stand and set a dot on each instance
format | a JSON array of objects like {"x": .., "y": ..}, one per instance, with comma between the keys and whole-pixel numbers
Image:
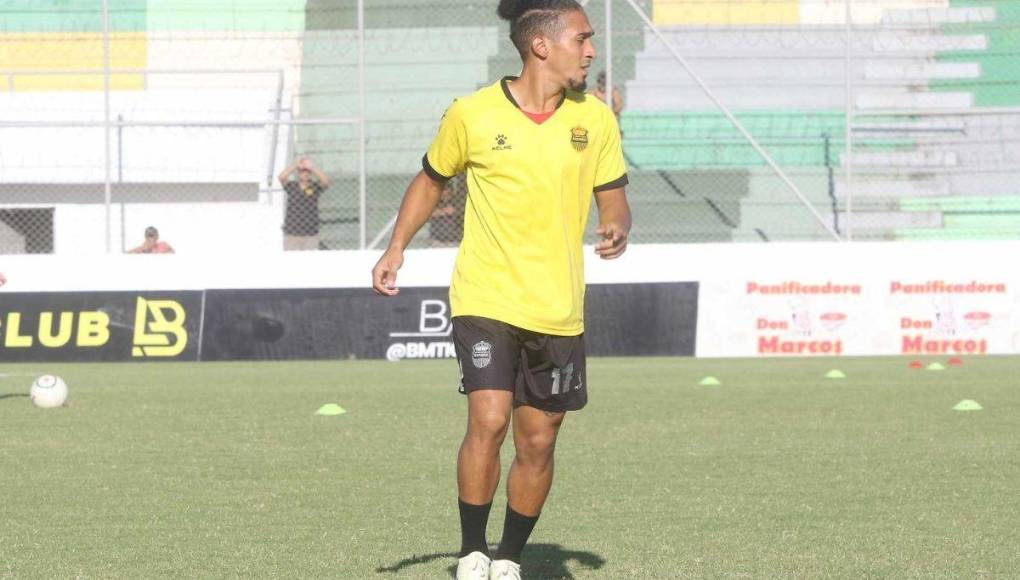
[
  {"x": 918, "y": 57},
  {"x": 50, "y": 52},
  {"x": 448, "y": 60},
  {"x": 920, "y": 60},
  {"x": 940, "y": 162},
  {"x": 402, "y": 110}
]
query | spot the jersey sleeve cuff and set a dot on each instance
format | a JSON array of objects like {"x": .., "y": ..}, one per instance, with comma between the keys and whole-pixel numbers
[
  {"x": 614, "y": 184},
  {"x": 432, "y": 173}
]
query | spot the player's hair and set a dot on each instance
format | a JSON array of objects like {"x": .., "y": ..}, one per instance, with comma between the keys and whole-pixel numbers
[{"x": 530, "y": 18}]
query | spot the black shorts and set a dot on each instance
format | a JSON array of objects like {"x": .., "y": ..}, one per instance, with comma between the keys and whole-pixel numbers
[{"x": 543, "y": 371}]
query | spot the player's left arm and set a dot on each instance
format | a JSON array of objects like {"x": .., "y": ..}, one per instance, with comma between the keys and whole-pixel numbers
[
  {"x": 614, "y": 222},
  {"x": 610, "y": 194}
]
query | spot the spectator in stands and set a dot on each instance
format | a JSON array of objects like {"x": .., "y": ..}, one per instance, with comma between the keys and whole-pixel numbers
[
  {"x": 301, "y": 221},
  {"x": 3, "y": 279},
  {"x": 599, "y": 92},
  {"x": 446, "y": 226},
  {"x": 152, "y": 244}
]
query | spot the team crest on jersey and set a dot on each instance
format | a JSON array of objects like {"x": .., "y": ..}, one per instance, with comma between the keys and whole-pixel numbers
[
  {"x": 502, "y": 143},
  {"x": 579, "y": 138},
  {"x": 481, "y": 354}
]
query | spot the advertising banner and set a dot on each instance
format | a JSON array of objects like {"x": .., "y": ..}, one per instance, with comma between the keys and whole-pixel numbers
[
  {"x": 621, "y": 320},
  {"x": 863, "y": 315},
  {"x": 948, "y": 316},
  {"x": 770, "y": 317},
  {"x": 100, "y": 326}
]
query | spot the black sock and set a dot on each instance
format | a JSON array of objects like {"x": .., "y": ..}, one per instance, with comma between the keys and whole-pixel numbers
[
  {"x": 473, "y": 519},
  {"x": 516, "y": 529}
]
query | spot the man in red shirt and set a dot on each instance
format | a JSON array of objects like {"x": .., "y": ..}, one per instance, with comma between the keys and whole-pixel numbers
[{"x": 152, "y": 245}]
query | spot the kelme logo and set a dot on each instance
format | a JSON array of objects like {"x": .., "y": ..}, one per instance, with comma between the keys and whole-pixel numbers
[{"x": 502, "y": 143}]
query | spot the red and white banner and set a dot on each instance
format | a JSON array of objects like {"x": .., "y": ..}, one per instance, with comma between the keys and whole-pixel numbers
[
  {"x": 782, "y": 317},
  {"x": 951, "y": 316},
  {"x": 856, "y": 317},
  {"x": 891, "y": 299}
]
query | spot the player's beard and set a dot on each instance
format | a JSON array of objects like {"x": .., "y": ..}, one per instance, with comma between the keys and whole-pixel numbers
[{"x": 578, "y": 86}]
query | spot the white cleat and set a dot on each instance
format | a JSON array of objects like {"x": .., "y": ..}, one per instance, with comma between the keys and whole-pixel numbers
[
  {"x": 474, "y": 566},
  {"x": 505, "y": 570}
]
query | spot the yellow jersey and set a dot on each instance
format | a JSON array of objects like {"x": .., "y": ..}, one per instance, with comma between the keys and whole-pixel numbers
[{"x": 530, "y": 188}]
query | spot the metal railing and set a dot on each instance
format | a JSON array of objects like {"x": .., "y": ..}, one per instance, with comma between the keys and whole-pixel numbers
[{"x": 718, "y": 151}]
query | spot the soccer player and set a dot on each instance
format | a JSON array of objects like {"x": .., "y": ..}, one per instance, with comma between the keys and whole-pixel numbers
[{"x": 536, "y": 150}]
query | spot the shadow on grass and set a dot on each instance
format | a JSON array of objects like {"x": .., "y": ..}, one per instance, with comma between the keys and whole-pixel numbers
[
  {"x": 545, "y": 561},
  {"x": 11, "y": 395},
  {"x": 414, "y": 561}
]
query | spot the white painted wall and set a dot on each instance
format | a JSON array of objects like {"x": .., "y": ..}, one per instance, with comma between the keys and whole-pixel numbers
[
  {"x": 192, "y": 229},
  {"x": 228, "y": 267},
  {"x": 210, "y": 50},
  {"x": 150, "y": 154},
  {"x": 160, "y": 154},
  {"x": 863, "y": 12}
]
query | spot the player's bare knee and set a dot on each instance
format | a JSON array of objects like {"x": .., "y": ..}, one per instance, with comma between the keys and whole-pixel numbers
[
  {"x": 488, "y": 424},
  {"x": 536, "y": 446}
]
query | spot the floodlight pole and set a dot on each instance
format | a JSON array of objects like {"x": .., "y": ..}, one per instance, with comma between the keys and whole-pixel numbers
[
  {"x": 107, "y": 196},
  {"x": 609, "y": 55},
  {"x": 362, "y": 185},
  {"x": 849, "y": 136}
]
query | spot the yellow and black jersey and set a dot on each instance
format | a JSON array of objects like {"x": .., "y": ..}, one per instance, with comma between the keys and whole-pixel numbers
[{"x": 530, "y": 189}]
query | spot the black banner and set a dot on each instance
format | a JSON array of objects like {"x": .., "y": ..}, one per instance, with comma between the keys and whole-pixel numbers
[
  {"x": 620, "y": 320},
  {"x": 289, "y": 324},
  {"x": 100, "y": 326}
]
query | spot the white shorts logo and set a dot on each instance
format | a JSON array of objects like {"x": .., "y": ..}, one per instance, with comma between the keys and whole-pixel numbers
[{"x": 481, "y": 354}]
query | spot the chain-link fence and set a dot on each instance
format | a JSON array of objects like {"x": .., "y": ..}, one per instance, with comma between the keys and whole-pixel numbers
[{"x": 230, "y": 125}]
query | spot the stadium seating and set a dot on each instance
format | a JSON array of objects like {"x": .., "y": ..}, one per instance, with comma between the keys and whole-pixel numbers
[
  {"x": 402, "y": 110},
  {"x": 50, "y": 54},
  {"x": 778, "y": 65},
  {"x": 793, "y": 95}
]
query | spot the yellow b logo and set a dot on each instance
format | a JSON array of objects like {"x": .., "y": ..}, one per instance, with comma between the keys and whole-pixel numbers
[{"x": 152, "y": 336}]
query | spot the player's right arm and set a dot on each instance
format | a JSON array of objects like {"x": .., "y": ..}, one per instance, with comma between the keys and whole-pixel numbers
[
  {"x": 445, "y": 159},
  {"x": 419, "y": 202}
]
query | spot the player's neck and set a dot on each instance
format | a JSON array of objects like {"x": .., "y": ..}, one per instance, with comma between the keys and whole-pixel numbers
[{"x": 535, "y": 94}]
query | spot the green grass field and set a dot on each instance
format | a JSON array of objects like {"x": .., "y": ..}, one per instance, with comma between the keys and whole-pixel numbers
[{"x": 223, "y": 470}]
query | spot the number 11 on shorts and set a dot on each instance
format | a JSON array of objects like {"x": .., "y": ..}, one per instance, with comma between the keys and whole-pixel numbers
[{"x": 563, "y": 377}]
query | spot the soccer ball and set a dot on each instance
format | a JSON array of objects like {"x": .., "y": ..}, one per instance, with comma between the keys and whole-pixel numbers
[{"x": 48, "y": 391}]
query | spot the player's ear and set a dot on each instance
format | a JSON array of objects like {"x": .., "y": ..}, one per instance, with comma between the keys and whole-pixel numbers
[{"x": 540, "y": 47}]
